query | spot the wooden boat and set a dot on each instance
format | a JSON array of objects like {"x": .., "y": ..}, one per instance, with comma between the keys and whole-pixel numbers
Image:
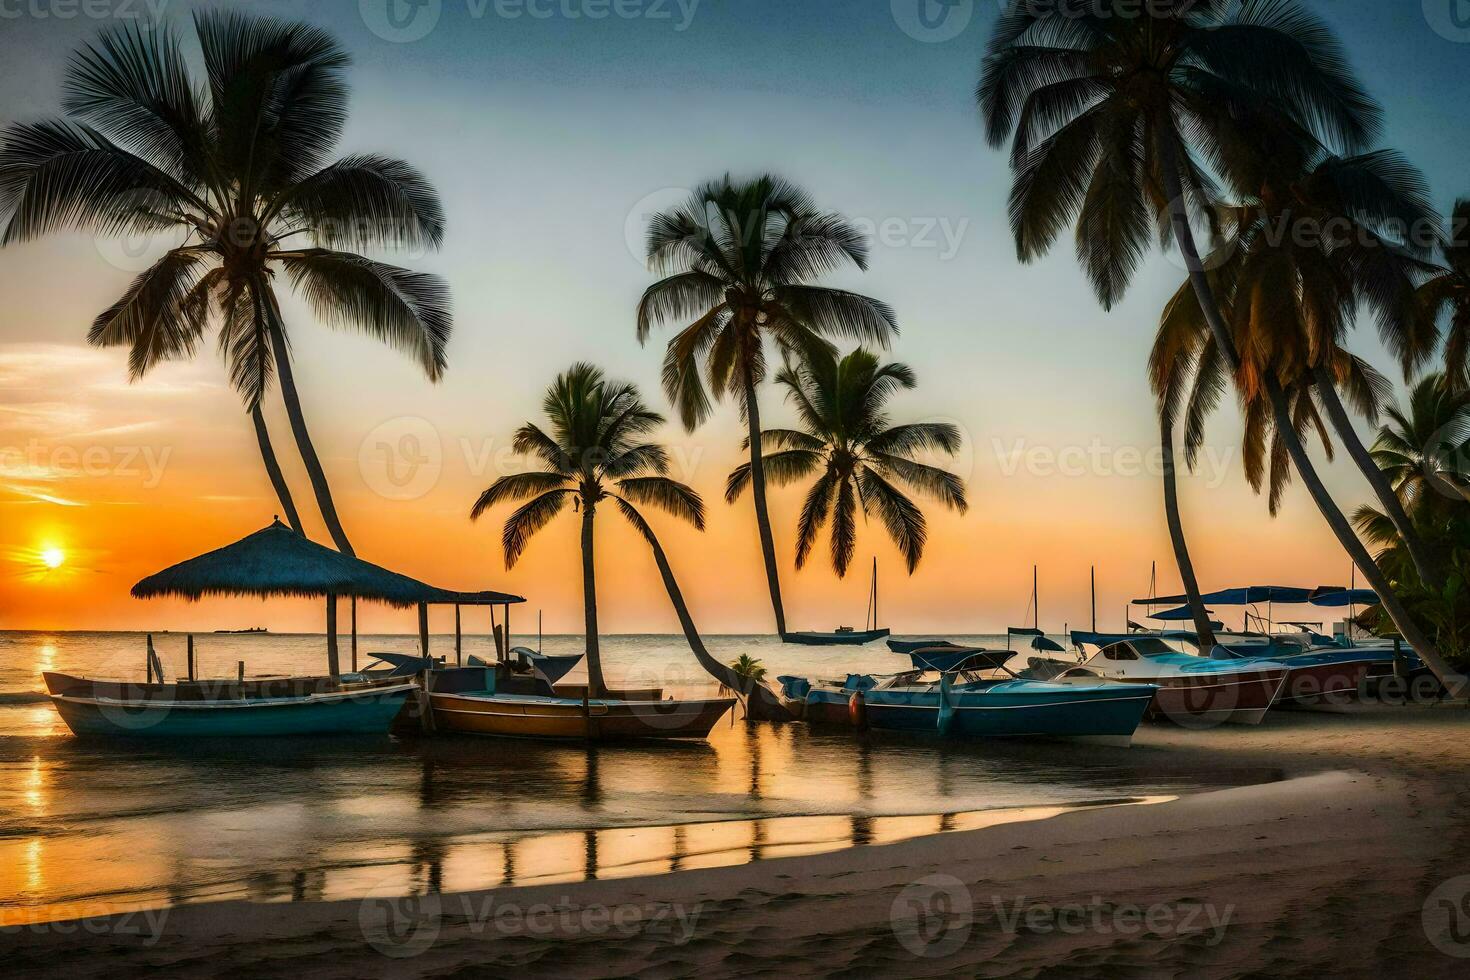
[
  {"x": 216, "y": 708},
  {"x": 846, "y": 635},
  {"x": 498, "y": 701}
]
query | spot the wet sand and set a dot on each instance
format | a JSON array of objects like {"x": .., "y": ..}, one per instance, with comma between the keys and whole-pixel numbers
[{"x": 1348, "y": 866}]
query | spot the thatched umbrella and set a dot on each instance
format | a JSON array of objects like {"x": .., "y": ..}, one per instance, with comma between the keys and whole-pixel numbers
[{"x": 277, "y": 561}]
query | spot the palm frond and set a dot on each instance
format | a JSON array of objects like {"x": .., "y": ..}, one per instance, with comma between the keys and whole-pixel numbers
[
  {"x": 531, "y": 517},
  {"x": 407, "y": 310},
  {"x": 517, "y": 486},
  {"x": 668, "y": 495}
]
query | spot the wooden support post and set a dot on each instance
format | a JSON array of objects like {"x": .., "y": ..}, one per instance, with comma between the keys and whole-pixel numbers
[
  {"x": 507, "y": 629},
  {"x": 334, "y": 666},
  {"x": 190, "y": 654},
  {"x": 458, "y": 639},
  {"x": 240, "y": 671},
  {"x": 424, "y": 629},
  {"x": 148, "y": 659},
  {"x": 354, "y": 633}
]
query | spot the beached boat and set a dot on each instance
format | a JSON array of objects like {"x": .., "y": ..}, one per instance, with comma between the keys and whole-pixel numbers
[
  {"x": 218, "y": 708},
  {"x": 496, "y": 700},
  {"x": 846, "y": 635},
  {"x": 1192, "y": 690}
]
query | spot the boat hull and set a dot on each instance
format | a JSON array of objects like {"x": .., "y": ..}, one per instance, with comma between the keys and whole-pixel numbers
[
  {"x": 829, "y": 708},
  {"x": 525, "y": 716},
  {"x": 1105, "y": 712},
  {"x": 909, "y": 646},
  {"x": 853, "y": 639},
  {"x": 368, "y": 712},
  {"x": 1318, "y": 683},
  {"x": 1237, "y": 699}
]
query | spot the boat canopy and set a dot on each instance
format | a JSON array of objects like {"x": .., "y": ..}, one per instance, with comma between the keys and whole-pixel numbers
[
  {"x": 1082, "y": 638},
  {"x": 1184, "y": 614},
  {"x": 1344, "y": 597},
  {"x": 1023, "y": 631},
  {"x": 1236, "y": 597},
  {"x": 1047, "y": 645}
]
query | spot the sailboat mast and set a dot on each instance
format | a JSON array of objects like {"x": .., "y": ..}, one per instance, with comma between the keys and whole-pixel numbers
[
  {"x": 1092, "y": 574},
  {"x": 1035, "y": 602}
]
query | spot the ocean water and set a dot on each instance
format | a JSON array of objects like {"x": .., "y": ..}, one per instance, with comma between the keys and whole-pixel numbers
[{"x": 87, "y": 828}]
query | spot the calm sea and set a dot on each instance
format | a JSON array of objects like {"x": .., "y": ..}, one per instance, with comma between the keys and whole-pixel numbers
[{"x": 87, "y": 827}]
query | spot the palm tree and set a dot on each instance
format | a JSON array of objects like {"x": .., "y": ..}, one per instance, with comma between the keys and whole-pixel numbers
[
  {"x": 1111, "y": 112},
  {"x": 241, "y": 165},
  {"x": 740, "y": 260},
  {"x": 592, "y": 454},
  {"x": 846, "y": 439},
  {"x": 1448, "y": 293},
  {"x": 1422, "y": 452}
]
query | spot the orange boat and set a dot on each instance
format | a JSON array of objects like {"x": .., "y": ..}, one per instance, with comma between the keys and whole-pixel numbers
[{"x": 498, "y": 701}]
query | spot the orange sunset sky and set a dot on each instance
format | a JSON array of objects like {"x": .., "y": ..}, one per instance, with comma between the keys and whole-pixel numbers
[{"x": 550, "y": 142}]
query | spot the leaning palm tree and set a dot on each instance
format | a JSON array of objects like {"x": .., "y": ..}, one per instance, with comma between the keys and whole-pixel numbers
[
  {"x": 241, "y": 166},
  {"x": 1448, "y": 294},
  {"x": 740, "y": 261},
  {"x": 846, "y": 441},
  {"x": 594, "y": 453},
  {"x": 1111, "y": 112}
]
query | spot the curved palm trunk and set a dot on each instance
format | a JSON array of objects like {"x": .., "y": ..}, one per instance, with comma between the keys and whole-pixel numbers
[
  {"x": 595, "y": 686},
  {"x": 762, "y": 516},
  {"x": 1392, "y": 507},
  {"x": 303, "y": 438},
  {"x": 1412, "y": 634},
  {"x": 1176, "y": 537},
  {"x": 273, "y": 469},
  {"x": 1184, "y": 236},
  {"x": 761, "y": 703}
]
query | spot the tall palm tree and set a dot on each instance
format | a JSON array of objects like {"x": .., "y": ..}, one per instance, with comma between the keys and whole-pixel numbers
[
  {"x": 847, "y": 441},
  {"x": 592, "y": 454},
  {"x": 1448, "y": 294},
  {"x": 740, "y": 261},
  {"x": 1110, "y": 113},
  {"x": 241, "y": 164}
]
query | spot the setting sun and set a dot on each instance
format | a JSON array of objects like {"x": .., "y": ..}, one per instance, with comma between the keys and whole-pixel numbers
[{"x": 53, "y": 557}]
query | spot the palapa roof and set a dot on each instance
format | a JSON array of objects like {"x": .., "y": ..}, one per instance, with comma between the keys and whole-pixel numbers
[{"x": 276, "y": 561}]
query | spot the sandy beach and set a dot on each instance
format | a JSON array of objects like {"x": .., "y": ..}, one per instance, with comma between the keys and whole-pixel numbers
[{"x": 1346, "y": 865}]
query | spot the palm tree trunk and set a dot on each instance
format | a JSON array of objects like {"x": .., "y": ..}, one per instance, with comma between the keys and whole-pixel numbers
[
  {"x": 595, "y": 686},
  {"x": 758, "y": 491},
  {"x": 1392, "y": 507},
  {"x": 761, "y": 703},
  {"x": 1455, "y": 683},
  {"x": 1176, "y": 535},
  {"x": 303, "y": 437},
  {"x": 273, "y": 469},
  {"x": 1184, "y": 236}
]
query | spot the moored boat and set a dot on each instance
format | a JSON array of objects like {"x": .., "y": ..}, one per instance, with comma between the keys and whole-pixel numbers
[
  {"x": 1013, "y": 708},
  {"x": 1193, "y": 691},
  {"x": 203, "y": 709},
  {"x": 497, "y": 701}
]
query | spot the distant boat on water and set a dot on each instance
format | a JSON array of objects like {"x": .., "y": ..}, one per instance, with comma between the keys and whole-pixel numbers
[
  {"x": 253, "y": 629},
  {"x": 846, "y": 635}
]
